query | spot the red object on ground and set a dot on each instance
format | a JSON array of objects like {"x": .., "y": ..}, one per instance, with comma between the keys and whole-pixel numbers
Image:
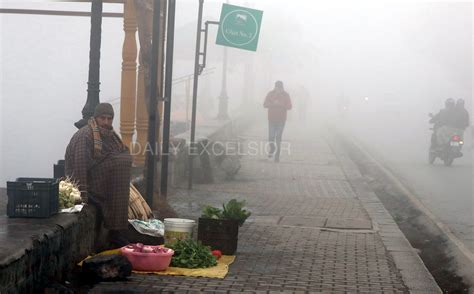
[
  {"x": 151, "y": 259},
  {"x": 217, "y": 253}
]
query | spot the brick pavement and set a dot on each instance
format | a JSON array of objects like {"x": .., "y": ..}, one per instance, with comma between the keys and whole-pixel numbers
[{"x": 309, "y": 230}]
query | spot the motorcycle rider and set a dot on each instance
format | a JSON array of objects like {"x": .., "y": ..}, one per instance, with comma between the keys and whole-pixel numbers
[
  {"x": 445, "y": 117},
  {"x": 462, "y": 116}
]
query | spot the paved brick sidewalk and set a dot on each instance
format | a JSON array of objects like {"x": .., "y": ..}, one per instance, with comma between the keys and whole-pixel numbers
[{"x": 310, "y": 230}]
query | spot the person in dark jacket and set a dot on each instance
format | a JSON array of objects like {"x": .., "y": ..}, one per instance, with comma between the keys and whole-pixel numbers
[
  {"x": 445, "y": 117},
  {"x": 101, "y": 164},
  {"x": 462, "y": 116},
  {"x": 278, "y": 102}
]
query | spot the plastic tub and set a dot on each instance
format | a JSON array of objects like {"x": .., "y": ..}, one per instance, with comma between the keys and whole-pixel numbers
[
  {"x": 178, "y": 229},
  {"x": 149, "y": 262}
]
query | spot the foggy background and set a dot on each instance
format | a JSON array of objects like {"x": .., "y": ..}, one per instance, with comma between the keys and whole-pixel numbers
[{"x": 406, "y": 57}]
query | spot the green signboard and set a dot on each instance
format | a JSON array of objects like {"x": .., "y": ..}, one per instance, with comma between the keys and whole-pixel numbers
[{"x": 239, "y": 27}]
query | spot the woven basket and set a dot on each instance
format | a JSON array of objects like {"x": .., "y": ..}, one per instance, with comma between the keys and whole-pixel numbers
[{"x": 137, "y": 206}]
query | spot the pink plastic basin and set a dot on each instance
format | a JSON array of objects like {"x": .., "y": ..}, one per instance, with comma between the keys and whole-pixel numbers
[{"x": 150, "y": 262}]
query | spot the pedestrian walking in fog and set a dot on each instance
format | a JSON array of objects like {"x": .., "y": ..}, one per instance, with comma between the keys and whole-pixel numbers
[{"x": 277, "y": 102}]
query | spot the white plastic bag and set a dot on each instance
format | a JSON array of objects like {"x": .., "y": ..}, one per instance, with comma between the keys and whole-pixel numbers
[{"x": 152, "y": 227}]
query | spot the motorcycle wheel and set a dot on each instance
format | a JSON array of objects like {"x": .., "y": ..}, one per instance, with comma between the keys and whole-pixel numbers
[
  {"x": 448, "y": 161},
  {"x": 431, "y": 157}
]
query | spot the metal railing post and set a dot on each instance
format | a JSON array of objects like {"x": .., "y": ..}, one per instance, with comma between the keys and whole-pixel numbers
[
  {"x": 152, "y": 125},
  {"x": 168, "y": 90}
]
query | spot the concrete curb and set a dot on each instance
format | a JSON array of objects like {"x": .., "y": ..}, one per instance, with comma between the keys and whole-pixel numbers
[{"x": 414, "y": 273}]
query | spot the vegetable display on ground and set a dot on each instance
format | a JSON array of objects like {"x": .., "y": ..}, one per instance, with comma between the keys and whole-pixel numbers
[
  {"x": 191, "y": 254},
  {"x": 233, "y": 210}
]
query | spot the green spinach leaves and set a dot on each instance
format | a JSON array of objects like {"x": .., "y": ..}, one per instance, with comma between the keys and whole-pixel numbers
[{"x": 191, "y": 254}]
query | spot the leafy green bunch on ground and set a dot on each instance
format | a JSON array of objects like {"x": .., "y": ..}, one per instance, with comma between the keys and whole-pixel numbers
[
  {"x": 233, "y": 210},
  {"x": 212, "y": 212},
  {"x": 191, "y": 254}
]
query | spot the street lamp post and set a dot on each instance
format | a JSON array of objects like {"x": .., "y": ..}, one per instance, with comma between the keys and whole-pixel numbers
[
  {"x": 93, "y": 84},
  {"x": 223, "y": 98}
]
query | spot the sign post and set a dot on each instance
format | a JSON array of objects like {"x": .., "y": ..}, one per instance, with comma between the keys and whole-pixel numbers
[{"x": 239, "y": 27}]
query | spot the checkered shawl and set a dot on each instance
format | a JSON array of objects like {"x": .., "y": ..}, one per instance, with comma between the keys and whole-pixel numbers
[
  {"x": 105, "y": 175},
  {"x": 96, "y": 137},
  {"x": 97, "y": 134}
]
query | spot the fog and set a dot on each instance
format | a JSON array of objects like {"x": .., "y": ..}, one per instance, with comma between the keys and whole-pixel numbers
[
  {"x": 407, "y": 57},
  {"x": 393, "y": 62}
]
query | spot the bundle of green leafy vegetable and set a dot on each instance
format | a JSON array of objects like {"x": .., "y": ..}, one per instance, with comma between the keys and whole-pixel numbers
[
  {"x": 232, "y": 210},
  {"x": 191, "y": 254},
  {"x": 211, "y": 212}
]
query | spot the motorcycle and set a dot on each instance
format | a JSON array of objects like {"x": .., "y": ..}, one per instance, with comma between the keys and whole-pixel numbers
[{"x": 449, "y": 145}]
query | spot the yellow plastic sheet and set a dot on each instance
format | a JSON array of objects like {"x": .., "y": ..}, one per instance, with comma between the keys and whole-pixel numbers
[{"x": 219, "y": 271}]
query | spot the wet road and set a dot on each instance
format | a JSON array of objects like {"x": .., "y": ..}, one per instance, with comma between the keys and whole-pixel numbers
[{"x": 446, "y": 191}]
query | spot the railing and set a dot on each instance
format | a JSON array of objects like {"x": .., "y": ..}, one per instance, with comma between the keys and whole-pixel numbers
[{"x": 133, "y": 110}]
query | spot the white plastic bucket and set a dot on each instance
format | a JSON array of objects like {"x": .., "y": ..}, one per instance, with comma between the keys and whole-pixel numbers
[{"x": 178, "y": 229}]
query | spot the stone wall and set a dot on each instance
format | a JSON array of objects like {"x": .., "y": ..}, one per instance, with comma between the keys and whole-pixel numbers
[{"x": 55, "y": 249}]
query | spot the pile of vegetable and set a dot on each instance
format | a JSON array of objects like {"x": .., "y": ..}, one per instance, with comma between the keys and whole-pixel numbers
[
  {"x": 139, "y": 247},
  {"x": 232, "y": 210},
  {"x": 191, "y": 254},
  {"x": 69, "y": 193}
]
